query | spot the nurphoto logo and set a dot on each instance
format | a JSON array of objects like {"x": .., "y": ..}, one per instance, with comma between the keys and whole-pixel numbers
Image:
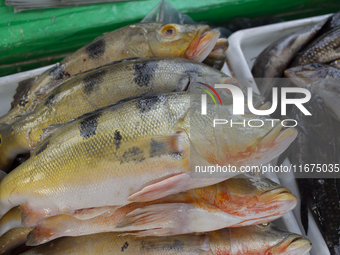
[{"x": 238, "y": 103}]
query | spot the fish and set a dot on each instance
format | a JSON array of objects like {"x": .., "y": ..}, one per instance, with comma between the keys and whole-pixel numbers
[
  {"x": 193, "y": 42},
  {"x": 305, "y": 75},
  {"x": 12, "y": 239},
  {"x": 98, "y": 88},
  {"x": 273, "y": 60},
  {"x": 258, "y": 239},
  {"x": 322, "y": 79},
  {"x": 316, "y": 144},
  {"x": 155, "y": 137},
  {"x": 12, "y": 219},
  {"x": 233, "y": 203},
  {"x": 323, "y": 50}
]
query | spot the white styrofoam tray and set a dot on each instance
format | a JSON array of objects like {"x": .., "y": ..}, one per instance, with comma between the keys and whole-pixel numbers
[{"x": 244, "y": 47}]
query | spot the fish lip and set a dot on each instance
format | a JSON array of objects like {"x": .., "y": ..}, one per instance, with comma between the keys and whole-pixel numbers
[
  {"x": 293, "y": 244},
  {"x": 275, "y": 195},
  {"x": 278, "y": 134},
  {"x": 203, "y": 44}
]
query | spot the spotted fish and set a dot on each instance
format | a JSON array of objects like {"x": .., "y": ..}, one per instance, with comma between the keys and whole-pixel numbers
[
  {"x": 100, "y": 87},
  {"x": 136, "y": 151},
  {"x": 193, "y": 42},
  {"x": 258, "y": 239}
]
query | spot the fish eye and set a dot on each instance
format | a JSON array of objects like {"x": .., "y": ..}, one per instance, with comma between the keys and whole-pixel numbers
[
  {"x": 264, "y": 225},
  {"x": 169, "y": 31}
]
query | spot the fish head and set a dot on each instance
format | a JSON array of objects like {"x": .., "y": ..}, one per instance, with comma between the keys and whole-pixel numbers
[
  {"x": 303, "y": 75},
  {"x": 258, "y": 239},
  {"x": 193, "y": 42},
  {"x": 254, "y": 200},
  {"x": 226, "y": 139}
]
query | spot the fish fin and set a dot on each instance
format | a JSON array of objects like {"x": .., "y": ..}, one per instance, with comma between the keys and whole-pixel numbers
[
  {"x": 168, "y": 186},
  {"x": 22, "y": 88},
  {"x": 30, "y": 217},
  {"x": 163, "y": 219},
  {"x": 88, "y": 213},
  {"x": 40, "y": 235}
]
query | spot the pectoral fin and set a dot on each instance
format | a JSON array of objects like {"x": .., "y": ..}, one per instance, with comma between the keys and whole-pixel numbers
[
  {"x": 156, "y": 220},
  {"x": 88, "y": 213},
  {"x": 166, "y": 187}
]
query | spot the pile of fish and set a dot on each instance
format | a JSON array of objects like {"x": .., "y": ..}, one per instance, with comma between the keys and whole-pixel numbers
[
  {"x": 112, "y": 132},
  {"x": 309, "y": 58}
]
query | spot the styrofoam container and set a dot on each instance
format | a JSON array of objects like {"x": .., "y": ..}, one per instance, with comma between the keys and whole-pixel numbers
[{"x": 244, "y": 47}]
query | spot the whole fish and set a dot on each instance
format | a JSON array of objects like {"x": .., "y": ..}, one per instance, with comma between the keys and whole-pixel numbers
[
  {"x": 193, "y": 42},
  {"x": 233, "y": 203},
  {"x": 13, "y": 239},
  {"x": 274, "y": 59},
  {"x": 100, "y": 87},
  {"x": 136, "y": 151},
  {"x": 323, "y": 50},
  {"x": 323, "y": 79},
  {"x": 305, "y": 75},
  {"x": 316, "y": 144},
  {"x": 258, "y": 239}
]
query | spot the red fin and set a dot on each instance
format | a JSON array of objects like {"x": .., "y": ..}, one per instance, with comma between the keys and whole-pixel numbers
[{"x": 169, "y": 186}]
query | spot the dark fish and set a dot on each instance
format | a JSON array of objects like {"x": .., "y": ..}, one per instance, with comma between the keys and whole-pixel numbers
[
  {"x": 273, "y": 60},
  {"x": 304, "y": 75},
  {"x": 316, "y": 144},
  {"x": 323, "y": 50},
  {"x": 323, "y": 79}
]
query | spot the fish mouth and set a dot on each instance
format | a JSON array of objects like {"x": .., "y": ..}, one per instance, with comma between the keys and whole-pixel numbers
[
  {"x": 275, "y": 141},
  {"x": 276, "y": 195},
  {"x": 203, "y": 44},
  {"x": 292, "y": 245}
]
